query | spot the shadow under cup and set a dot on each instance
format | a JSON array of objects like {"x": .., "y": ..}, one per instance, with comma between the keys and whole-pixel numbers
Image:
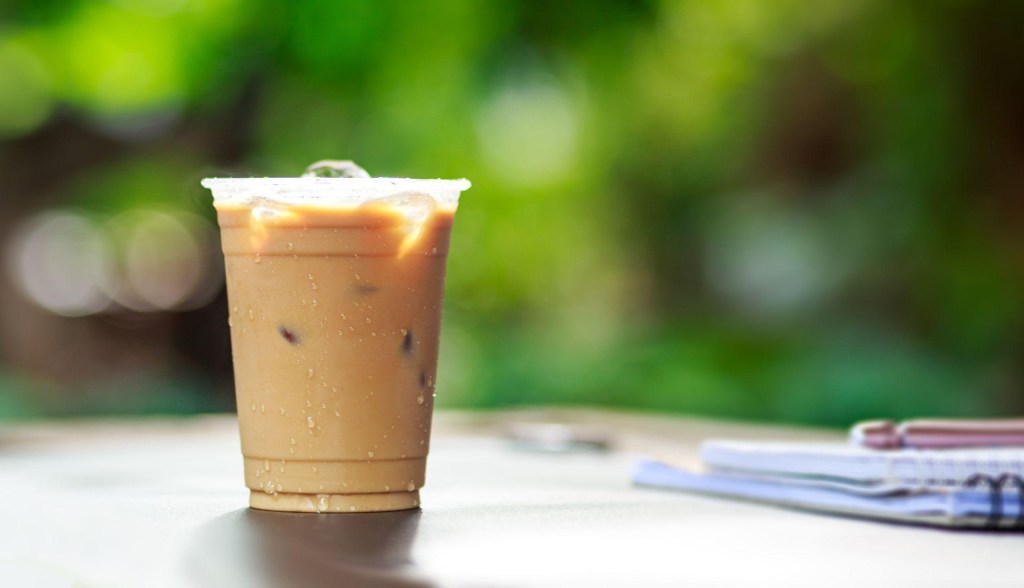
[{"x": 335, "y": 287}]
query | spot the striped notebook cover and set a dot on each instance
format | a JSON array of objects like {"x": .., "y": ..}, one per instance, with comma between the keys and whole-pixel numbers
[
  {"x": 992, "y": 503},
  {"x": 905, "y": 468},
  {"x": 961, "y": 487}
]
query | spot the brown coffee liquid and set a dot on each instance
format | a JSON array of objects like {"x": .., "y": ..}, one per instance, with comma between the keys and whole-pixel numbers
[{"x": 335, "y": 317}]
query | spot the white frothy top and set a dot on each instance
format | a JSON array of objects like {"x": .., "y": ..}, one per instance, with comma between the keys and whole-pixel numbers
[{"x": 328, "y": 192}]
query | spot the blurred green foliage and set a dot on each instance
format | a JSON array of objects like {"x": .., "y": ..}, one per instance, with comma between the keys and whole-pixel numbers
[{"x": 767, "y": 210}]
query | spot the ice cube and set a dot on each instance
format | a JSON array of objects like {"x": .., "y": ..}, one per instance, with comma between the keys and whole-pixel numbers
[{"x": 335, "y": 168}]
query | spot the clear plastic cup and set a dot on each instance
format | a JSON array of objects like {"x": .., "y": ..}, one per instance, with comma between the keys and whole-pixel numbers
[{"x": 335, "y": 288}]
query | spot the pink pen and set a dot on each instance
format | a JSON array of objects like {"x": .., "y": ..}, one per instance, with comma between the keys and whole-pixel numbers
[{"x": 938, "y": 433}]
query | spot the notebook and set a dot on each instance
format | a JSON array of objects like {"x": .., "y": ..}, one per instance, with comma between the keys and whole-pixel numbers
[
  {"x": 959, "y": 488},
  {"x": 859, "y": 466}
]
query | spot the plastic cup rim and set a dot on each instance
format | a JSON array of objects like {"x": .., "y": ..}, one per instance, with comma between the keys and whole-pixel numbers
[{"x": 325, "y": 191}]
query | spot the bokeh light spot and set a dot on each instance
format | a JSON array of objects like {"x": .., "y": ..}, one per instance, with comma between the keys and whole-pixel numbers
[
  {"x": 123, "y": 62},
  {"x": 164, "y": 261},
  {"x": 530, "y": 133},
  {"x": 61, "y": 261}
]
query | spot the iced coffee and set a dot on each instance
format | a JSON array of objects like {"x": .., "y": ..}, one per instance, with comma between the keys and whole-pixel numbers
[{"x": 335, "y": 288}]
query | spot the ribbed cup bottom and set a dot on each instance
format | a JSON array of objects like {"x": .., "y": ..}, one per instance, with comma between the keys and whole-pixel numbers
[{"x": 384, "y": 501}]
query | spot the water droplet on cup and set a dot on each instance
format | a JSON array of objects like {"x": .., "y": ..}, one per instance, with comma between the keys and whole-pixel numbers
[{"x": 310, "y": 423}]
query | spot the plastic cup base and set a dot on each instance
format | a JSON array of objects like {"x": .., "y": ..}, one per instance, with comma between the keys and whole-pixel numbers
[{"x": 382, "y": 502}]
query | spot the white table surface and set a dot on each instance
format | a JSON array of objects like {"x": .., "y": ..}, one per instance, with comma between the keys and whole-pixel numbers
[{"x": 160, "y": 502}]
